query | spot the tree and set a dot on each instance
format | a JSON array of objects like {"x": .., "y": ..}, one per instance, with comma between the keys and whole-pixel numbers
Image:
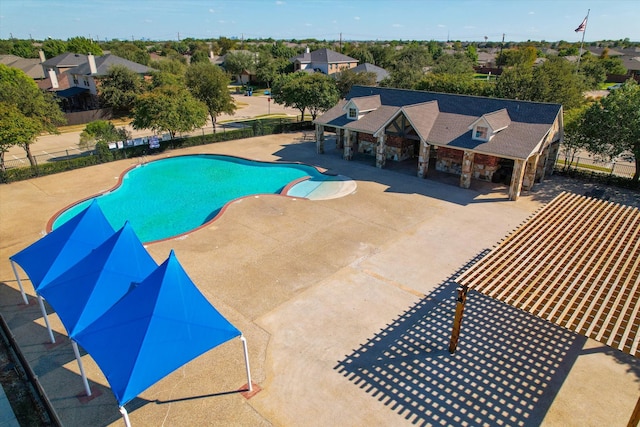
[
  {"x": 362, "y": 54},
  {"x": 24, "y": 49},
  {"x": 169, "y": 109},
  {"x": 131, "y": 52},
  {"x": 515, "y": 83},
  {"x": 403, "y": 76},
  {"x": 316, "y": 92},
  {"x": 611, "y": 126},
  {"x": 226, "y": 45},
  {"x": 84, "y": 46},
  {"x": 556, "y": 81},
  {"x": 15, "y": 129},
  {"x": 455, "y": 83},
  {"x": 19, "y": 90},
  {"x": 208, "y": 83},
  {"x": 348, "y": 78},
  {"x": 593, "y": 71},
  {"x": 573, "y": 140},
  {"x": 512, "y": 57},
  {"x": 200, "y": 56},
  {"x": 53, "y": 47},
  {"x": 101, "y": 131},
  {"x": 458, "y": 64},
  {"x": 269, "y": 69},
  {"x": 120, "y": 88},
  {"x": 237, "y": 62}
]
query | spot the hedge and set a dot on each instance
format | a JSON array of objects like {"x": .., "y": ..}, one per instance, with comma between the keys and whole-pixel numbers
[{"x": 250, "y": 129}]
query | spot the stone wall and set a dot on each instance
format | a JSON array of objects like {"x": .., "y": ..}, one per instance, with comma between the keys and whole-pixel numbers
[
  {"x": 449, "y": 160},
  {"x": 484, "y": 166},
  {"x": 397, "y": 148}
]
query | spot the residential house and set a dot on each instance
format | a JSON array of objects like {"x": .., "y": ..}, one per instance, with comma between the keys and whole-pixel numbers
[
  {"x": 31, "y": 66},
  {"x": 380, "y": 73},
  {"x": 323, "y": 60},
  {"x": 477, "y": 138}
]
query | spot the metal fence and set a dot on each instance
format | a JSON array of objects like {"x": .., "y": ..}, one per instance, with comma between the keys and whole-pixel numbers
[
  {"x": 587, "y": 164},
  {"x": 20, "y": 162}
]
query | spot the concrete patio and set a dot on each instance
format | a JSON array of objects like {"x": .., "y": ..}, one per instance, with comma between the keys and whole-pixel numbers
[{"x": 346, "y": 305}]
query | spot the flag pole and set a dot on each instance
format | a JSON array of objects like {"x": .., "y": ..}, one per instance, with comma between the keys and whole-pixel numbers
[{"x": 586, "y": 22}]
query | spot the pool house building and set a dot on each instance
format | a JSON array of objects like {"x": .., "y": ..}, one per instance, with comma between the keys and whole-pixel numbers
[{"x": 489, "y": 139}]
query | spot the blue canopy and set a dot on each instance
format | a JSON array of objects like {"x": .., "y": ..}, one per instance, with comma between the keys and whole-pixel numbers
[
  {"x": 91, "y": 286},
  {"x": 50, "y": 256},
  {"x": 158, "y": 326}
]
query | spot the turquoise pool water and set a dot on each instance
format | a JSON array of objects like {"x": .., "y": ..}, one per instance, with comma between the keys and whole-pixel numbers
[{"x": 169, "y": 197}]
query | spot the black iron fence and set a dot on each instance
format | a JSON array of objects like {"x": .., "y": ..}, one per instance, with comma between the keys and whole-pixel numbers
[{"x": 587, "y": 164}]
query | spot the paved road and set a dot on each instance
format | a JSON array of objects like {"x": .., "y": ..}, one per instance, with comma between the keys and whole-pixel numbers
[{"x": 248, "y": 107}]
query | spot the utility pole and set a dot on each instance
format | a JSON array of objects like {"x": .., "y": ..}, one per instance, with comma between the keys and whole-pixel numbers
[
  {"x": 501, "y": 47},
  {"x": 340, "y": 42},
  {"x": 178, "y": 35}
]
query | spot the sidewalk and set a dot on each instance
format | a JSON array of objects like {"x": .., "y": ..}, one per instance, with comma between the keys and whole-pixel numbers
[{"x": 247, "y": 107}]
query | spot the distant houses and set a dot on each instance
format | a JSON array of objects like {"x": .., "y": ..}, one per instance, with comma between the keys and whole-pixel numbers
[{"x": 75, "y": 77}]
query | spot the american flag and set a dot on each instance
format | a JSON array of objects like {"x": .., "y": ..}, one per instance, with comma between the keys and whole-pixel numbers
[{"x": 582, "y": 26}]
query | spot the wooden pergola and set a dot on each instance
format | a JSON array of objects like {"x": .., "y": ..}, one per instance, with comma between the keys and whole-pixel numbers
[{"x": 575, "y": 263}]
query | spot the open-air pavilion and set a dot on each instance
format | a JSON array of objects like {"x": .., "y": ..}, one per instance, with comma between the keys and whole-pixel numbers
[{"x": 576, "y": 263}]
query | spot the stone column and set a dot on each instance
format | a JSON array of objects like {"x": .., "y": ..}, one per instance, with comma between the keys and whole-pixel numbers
[
  {"x": 423, "y": 159},
  {"x": 467, "y": 169},
  {"x": 516, "y": 179},
  {"x": 530, "y": 172},
  {"x": 339, "y": 140},
  {"x": 381, "y": 151},
  {"x": 320, "y": 139},
  {"x": 348, "y": 147}
]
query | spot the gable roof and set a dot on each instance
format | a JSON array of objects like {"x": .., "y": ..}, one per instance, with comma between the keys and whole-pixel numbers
[
  {"x": 65, "y": 60},
  {"x": 380, "y": 73},
  {"x": 497, "y": 120},
  {"x": 326, "y": 56},
  {"x": 105, "y": 62},
  {"x": 31, "y": 66},
  {"x": 448, "y": 124},
  {"x": 365, "y": 103}
]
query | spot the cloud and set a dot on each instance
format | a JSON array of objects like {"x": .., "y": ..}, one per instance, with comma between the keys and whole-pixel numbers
[
  {"x": 442, "y": 26},
  {"x": 469, "y": 27},
  {"x": 148, "y": 21},
  {"x": 212, "y": 11},
  {"x": 222, "y": 21},
  {"x": 397, "y": 25},
  {"x": 279, "y": 3},
  {"x": 532, "y": 13},
  {"x": 357, "y": 18}
]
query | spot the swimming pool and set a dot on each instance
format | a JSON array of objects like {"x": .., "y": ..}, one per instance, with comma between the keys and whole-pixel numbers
[{"x": 169, "y": 197}]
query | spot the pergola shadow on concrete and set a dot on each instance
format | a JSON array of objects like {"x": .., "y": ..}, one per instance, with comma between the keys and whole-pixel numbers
[
  {"x": 576, "y": 264},
  {"x": 500, "y": 375}
]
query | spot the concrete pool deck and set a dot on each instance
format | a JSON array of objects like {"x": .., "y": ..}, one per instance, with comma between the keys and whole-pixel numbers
[{"x": 346, "y": 305}]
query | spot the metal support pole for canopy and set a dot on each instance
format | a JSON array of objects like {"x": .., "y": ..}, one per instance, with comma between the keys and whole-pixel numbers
[
  {"x": 46, "y": 319},
  {"x": 457, "y": 321},
  {"x": 246, "y": 361},
  {"x": 125, "y": 415},
  {"x": 81, "y": 366},
  {"x": 15, "y": 272}
]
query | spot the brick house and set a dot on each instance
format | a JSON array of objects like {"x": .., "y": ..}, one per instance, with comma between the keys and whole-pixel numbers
[
  {"x": 474, "y": 137},
  {"x": 325, "y": 61}
]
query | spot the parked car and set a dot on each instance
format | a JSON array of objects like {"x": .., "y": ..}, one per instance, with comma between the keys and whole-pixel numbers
[{"x": 615, "y": 86}]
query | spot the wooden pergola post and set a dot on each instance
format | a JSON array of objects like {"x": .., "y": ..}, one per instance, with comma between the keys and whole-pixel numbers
[
  {"x": 457, "y": 320},
  {"x": 635, "y": 417}
]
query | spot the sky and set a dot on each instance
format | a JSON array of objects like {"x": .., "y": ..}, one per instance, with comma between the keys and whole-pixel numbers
[{"x": 465, "y": 20}]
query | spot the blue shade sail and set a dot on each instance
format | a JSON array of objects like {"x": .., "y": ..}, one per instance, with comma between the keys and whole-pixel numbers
[
  {"x": 50, "y": 256},
  {"x": 159, "y": 325},
  {"x": 91, "y": 286}
]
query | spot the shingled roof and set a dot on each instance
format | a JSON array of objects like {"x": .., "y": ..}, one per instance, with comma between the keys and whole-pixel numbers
[
  {"x": 447, "y": 122},
  {"x": 105, "y": 62},
  {"x": 323, "y": 56}
]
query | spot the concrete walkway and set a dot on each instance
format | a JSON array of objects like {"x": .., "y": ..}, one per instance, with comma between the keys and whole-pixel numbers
[{"x": 346, "y": 304}]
